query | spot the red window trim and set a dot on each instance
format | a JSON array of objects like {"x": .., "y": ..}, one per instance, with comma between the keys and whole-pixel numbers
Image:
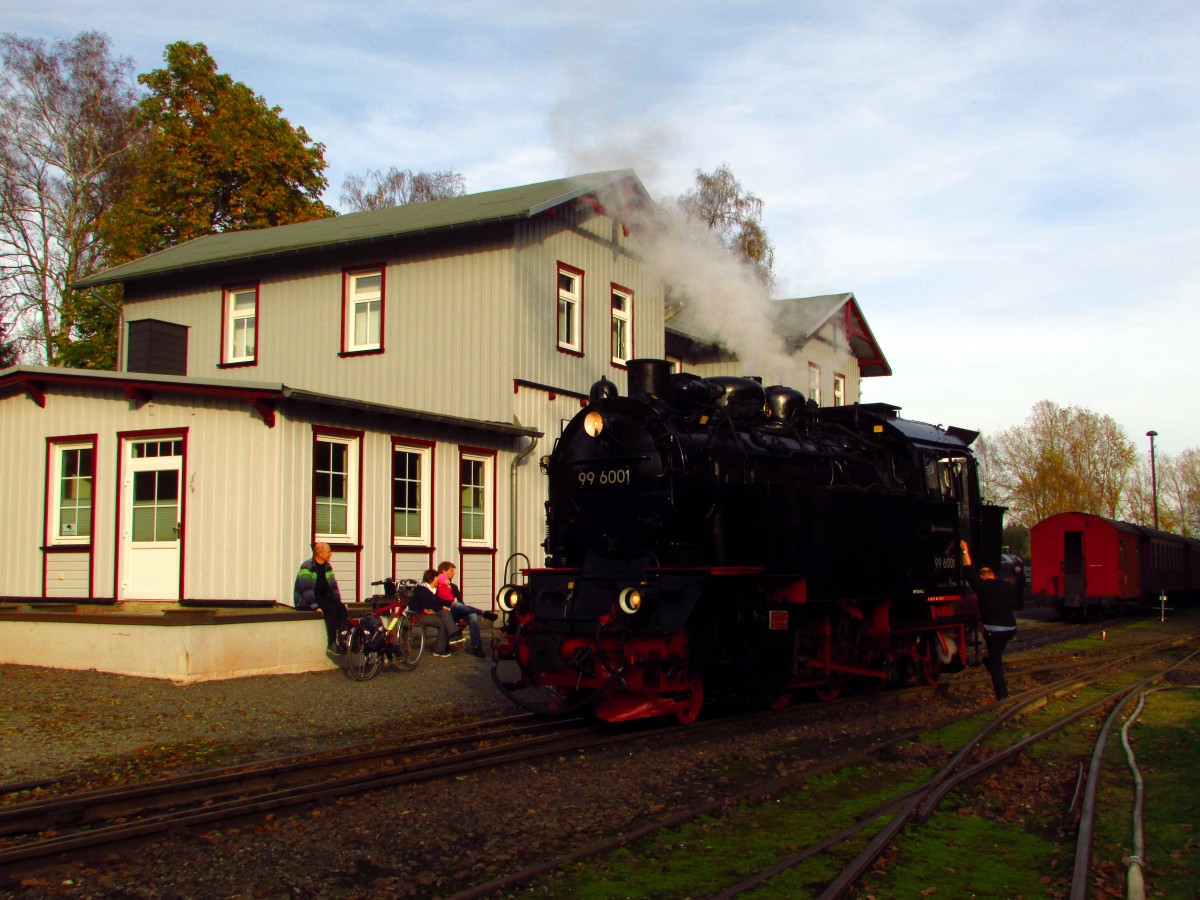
[
  {"x": 572, "y": 270},
  {"x": 414, "y": 444},
  {"x": 226, "y": 291},
  {"x": 613, "y": 288},
  {"x": 347, "y": 274}
]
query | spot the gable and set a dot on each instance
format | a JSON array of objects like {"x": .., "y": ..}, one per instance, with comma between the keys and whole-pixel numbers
[{"x": 797, "y": 321}]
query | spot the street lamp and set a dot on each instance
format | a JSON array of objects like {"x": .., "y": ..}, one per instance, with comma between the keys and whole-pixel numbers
[{"x": 1153, "y": 476}]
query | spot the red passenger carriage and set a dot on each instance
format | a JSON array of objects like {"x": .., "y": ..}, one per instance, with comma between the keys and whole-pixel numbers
[{"x": 1087, "y": 563}]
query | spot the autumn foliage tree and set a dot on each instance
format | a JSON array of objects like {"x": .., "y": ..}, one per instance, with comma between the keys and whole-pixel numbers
[
  {"x": 215, "y": 158},
  {"x": 66, "y": 132},
  {"x": 1062, "y": 459},
  {"x": 1178, "y": 493},
  {"x": 721, "y": 203}
]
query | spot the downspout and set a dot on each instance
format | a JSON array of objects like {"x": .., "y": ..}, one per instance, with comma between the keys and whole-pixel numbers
[{"x": 512, "y": 491}]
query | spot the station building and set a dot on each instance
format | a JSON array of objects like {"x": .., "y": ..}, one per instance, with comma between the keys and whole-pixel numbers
[{"x": 383, "y": 381}]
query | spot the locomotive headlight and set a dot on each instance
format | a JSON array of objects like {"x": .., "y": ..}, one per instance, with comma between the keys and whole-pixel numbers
[
  {"x": 593, "y": 424},
  {"x": 630, "y": 600},
  {"x": 509, "y": 597}
]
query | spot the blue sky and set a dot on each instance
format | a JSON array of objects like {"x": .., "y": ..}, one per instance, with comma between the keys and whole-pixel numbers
[{"x": 1010, "y": 189}]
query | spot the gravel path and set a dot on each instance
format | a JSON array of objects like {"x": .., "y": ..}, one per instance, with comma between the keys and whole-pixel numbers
[{"x": 55, "y": 722}]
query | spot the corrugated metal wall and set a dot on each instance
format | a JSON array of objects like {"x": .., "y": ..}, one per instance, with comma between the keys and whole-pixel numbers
[
  {"x": 448, "y": 327},
  {"x": 248, "y": 488},
  {"x": 598, "y": 247}
]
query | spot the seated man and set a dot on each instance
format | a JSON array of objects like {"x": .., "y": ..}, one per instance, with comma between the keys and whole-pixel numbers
[
  {"x": 448, "y": 593},
  {"x": 316, "y": 588},
  {"x": 425, "y": 603}
]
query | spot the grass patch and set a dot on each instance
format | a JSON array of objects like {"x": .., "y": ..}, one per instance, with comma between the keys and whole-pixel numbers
[
  {"x": 1168, "y": 757},
  {"x": 695, "y": 859},
  {"x": 966, "y": 856}
]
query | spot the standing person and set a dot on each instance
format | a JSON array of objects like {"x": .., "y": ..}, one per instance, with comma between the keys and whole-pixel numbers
[
  {"x": 425, "y": 603},
  {"x": 317, "y": 588},
  {"x": 996, "y": 613},
  {"x": 448, "y": 593}
]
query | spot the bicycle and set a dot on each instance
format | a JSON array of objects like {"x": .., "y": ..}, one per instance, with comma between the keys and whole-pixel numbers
[{"x": 389, "y": 632}]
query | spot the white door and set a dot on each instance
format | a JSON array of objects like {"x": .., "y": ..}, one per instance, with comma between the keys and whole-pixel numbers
[{"x": 150, "y": 516}]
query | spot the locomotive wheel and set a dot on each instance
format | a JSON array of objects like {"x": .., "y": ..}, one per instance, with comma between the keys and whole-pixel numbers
[
  {"x": 689, "y": 713},
  {"x": 827, "y": 693},
  {"x": 928, "y": 662},
  {"x": 781, "y": 700}
]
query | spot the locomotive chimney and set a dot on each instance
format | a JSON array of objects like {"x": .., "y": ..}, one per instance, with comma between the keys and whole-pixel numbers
[{"x": 648, "y": 378}]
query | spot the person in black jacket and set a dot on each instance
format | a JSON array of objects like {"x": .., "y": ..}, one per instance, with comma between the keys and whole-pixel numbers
[
  {"x": 996, "y": 614},
  {"x": 425, "y": 603}
]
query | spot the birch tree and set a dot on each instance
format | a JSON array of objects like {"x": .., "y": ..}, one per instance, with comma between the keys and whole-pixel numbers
[
  {"x": 399, "y": 187},
  {"x": 724, "y": 206},
  {"x": 66, "y": 130}
]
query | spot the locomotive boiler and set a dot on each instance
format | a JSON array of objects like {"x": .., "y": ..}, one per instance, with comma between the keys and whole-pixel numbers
[{"x": 709, "y": 538}]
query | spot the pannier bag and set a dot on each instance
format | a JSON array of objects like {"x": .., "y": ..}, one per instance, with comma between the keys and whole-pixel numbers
[{"x": 374, "y": 635}]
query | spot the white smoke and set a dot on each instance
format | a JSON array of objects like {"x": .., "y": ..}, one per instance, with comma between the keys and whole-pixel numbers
[{"x": 725, "y": 300}]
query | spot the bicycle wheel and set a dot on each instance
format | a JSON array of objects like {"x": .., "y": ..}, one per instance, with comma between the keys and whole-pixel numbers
[
  {"x": 410, "y": 643},
  {"x": 362, "y": 665}
]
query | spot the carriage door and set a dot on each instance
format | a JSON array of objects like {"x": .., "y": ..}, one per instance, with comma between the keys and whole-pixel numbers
[
  {"x": 150, "y": 519},
  {"x": 1074, "y": 569}
]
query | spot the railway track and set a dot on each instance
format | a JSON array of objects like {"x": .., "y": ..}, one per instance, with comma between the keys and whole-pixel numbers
[
  {"x": 917, "y": 804},
  {"x": 37, "y": 835},
  {"x": 35, "y": 832}
]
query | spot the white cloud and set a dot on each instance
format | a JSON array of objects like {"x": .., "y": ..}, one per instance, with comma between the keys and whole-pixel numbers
[{"x": 1009, "y": 188}]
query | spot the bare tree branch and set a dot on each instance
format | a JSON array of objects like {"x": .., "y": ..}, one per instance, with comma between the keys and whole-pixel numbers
[
  {"x": 66, "y": 128},
  {"x": 398, "y": 187}
]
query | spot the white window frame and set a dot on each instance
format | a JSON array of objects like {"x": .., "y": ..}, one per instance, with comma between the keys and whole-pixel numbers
[
  {"x": 352, "y": 443},
  {"x": 486, "y": 463},
  {"x": 570, "y": 309},
  {"x": 839, "y": 389},
  {"x": 814, "y": 382},
  {"x": 58, "y": 449},
  {"x": 235, "y": 318},
  {"x": 356, "y": 298},
  {"x": 424, "y": 455},
  {"x": 622, "y": 324}
]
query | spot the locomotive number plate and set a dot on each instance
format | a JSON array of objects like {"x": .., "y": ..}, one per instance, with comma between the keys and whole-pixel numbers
[{"x": 590, "y": 477}]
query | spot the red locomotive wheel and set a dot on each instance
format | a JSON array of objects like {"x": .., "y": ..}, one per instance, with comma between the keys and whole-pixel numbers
[
  {"x": 928, "y": 662},
  {"x": 689, "y": 713},
  {"x": 827, "y": 693}
]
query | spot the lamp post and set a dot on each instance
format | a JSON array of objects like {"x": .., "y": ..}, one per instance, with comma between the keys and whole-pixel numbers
[{"x": 1153, "y": 476}]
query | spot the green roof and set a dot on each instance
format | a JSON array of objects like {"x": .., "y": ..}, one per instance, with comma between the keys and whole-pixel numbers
[{"x": 470, "y": 210}]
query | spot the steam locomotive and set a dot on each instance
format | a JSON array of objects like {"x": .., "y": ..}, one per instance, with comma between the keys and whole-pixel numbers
[{"x": 712, "y": 539}]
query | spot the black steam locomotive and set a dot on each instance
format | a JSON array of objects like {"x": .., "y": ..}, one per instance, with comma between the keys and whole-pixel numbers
[{"x": 712, "y": 538}]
